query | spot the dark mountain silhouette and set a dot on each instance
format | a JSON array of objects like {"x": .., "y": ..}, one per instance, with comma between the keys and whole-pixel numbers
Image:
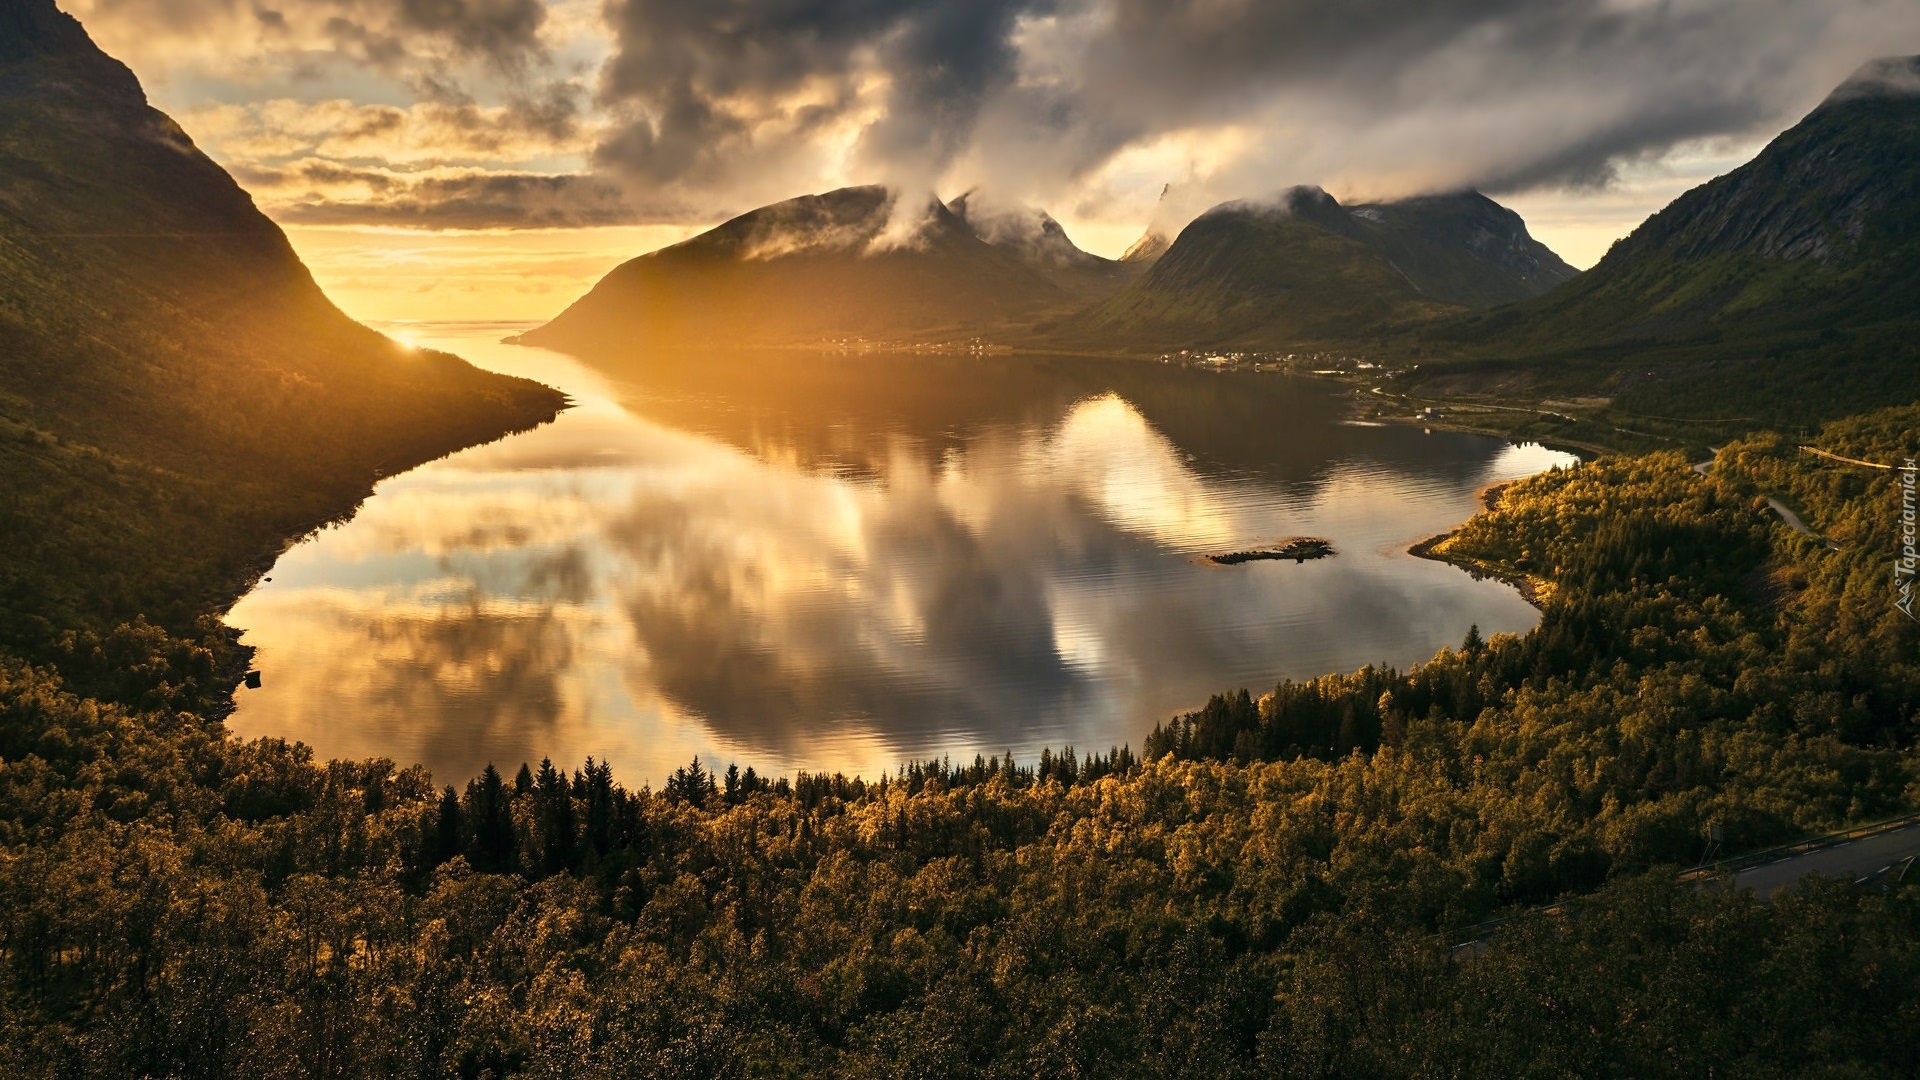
[
  {"x": 165, "y": 358},
  {"x": 1820, "y": 231},
  {"x": 1787, "y": 290},
  {"x": 1305, "y": 269},
  {"x": 846, "y": 264}
]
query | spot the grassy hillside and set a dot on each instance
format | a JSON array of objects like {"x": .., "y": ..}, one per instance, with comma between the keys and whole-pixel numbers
[{"x": 1311, "y": 272}]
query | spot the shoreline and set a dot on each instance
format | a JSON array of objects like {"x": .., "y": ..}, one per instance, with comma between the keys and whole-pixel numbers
[
  {"x": 1533, "y": 590},
  {"x": 255, "y": 569}
]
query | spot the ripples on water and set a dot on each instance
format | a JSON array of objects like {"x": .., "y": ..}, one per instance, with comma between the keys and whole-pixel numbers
[{"x": 836, "y": 563}]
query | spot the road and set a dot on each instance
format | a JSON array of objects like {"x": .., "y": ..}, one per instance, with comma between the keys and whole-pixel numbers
[
  {"x": 1890, "y": 855},
  {"x": 1854, "y": 859},
  {"x": 1792, "y": 519}
]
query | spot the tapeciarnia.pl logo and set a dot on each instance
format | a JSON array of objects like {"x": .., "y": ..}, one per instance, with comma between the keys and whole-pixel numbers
[{"x": 1905, "y": 564}]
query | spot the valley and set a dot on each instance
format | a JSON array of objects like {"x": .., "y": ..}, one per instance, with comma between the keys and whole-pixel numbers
[{"x": 669, "y": 695}]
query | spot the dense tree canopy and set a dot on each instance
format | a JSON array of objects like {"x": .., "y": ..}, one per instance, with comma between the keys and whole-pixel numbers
[{"x": 1271, "y": 886}]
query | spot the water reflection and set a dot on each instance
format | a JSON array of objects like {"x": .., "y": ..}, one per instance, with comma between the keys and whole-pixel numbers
[{"x": 833, "y": 563}]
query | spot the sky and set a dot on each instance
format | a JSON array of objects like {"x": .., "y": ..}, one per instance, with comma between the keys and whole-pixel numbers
[{"x": 490, "y": 159}]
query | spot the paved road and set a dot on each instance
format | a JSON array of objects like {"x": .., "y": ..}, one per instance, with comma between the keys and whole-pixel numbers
[
  {"x": 1792, "y": 519},
  {"x": 1855, "y": 859}
]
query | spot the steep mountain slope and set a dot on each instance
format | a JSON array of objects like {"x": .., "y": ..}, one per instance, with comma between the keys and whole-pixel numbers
[
  {"x": 175, "y": 391},
  {"x": 1762, "y": 284},
  {"x": 1306, "y": 269},
  {"x": 1151, "y": 245},
  {"x": 807, "y": 270},
  {"x": 1036, "y": 239}
]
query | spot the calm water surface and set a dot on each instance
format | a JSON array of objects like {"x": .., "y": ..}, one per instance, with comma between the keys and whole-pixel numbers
[{"x": 837, "y": 563}]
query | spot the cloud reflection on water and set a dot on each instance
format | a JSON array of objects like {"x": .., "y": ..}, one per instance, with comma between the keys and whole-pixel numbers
[{"x": 834, "y": 564}]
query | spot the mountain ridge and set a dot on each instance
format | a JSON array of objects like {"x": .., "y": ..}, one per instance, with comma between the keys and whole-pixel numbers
[
  {"x": 809, "y": 270},
  {"x": 1791, "y": 275},
  {"x": 1034, "y": 237},
  {"x": 1303, "y": 269},
  {"x": 163, "y": 348}
]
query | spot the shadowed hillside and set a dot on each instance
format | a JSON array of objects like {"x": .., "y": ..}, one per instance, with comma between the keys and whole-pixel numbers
[
  {"x": 1786, "y": 288},
  {"x": 167, "y": 364},
  {"x": 1309, "y": 270},
  {"x": 808, "y": 270}
]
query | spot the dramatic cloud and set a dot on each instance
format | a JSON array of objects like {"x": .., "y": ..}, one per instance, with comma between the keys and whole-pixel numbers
[
  {"x": 423, "y": 42},
  {"x": 1078, "y": 98},
  {"x": 318, "y": 192},
  {"x": 427, "y": 133},
  {"x": 700, "y": 108}
]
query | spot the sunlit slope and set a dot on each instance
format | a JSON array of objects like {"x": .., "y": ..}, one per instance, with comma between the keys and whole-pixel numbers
[
  {"x": 175, "y": 391},
  {"x": 1791, "y": 283},
  {"x": 808, "y": 270},
  {"x": 1306, "y": 270}
]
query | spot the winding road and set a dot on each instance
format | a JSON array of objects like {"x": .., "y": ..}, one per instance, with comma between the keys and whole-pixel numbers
[{"x": 1791, "y": 519}]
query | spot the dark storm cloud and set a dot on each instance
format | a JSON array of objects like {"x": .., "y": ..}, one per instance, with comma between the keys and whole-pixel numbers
[
  {"x": 506, "y": 32},
  {"x": 1609, "y": 80},
  {"x": 710, "y": 89},
  {"x": 1503, "y": 93},
  {"x": 710, "y": 106}
]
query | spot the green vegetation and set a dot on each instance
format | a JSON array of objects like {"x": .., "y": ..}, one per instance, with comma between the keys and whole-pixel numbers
[
  {"x": 1777, "y": 296},
  {"x": 1298, "y": 548},
  {"x": 1271, "y": 887},
  {"x": 1315, "y": 271}
]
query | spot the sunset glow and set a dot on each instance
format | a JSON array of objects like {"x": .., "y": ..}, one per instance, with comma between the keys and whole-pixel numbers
[{"x": 494, "y": 161}]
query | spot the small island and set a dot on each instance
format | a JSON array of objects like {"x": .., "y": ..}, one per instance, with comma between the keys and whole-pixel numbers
[{"x": 1297, "y": 548}]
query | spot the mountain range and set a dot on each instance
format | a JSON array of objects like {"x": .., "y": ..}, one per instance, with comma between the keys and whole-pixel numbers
[
  {"x": 155, "y": 317},
  {"x": 1788, "y": 282},
  {"x": 850, "y": 264},
  {"x": 1302, "y": 268}
]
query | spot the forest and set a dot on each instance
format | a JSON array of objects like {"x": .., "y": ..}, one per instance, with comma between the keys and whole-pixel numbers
[{"x": 1270, "y": 885}]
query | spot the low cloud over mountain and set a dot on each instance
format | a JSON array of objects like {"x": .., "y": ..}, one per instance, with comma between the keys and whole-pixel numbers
[{"x": 699, "y": 108}]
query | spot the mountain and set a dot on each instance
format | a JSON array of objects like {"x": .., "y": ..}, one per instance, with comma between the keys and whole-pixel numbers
[
  {"x": 1037, "y": 240},
  {"x": 1151, "y": 245},
  {"x": 1793, "y": 278},
  {"x": 1304, "y": 269},
  {"x": 846, "y": 264},
  {"x": 176, "y": 394}
]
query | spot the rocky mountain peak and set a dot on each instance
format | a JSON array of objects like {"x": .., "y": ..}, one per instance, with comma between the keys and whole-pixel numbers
[
  {"x": 36, "y": 35},
  {"x": 1887, "y": 77}
]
